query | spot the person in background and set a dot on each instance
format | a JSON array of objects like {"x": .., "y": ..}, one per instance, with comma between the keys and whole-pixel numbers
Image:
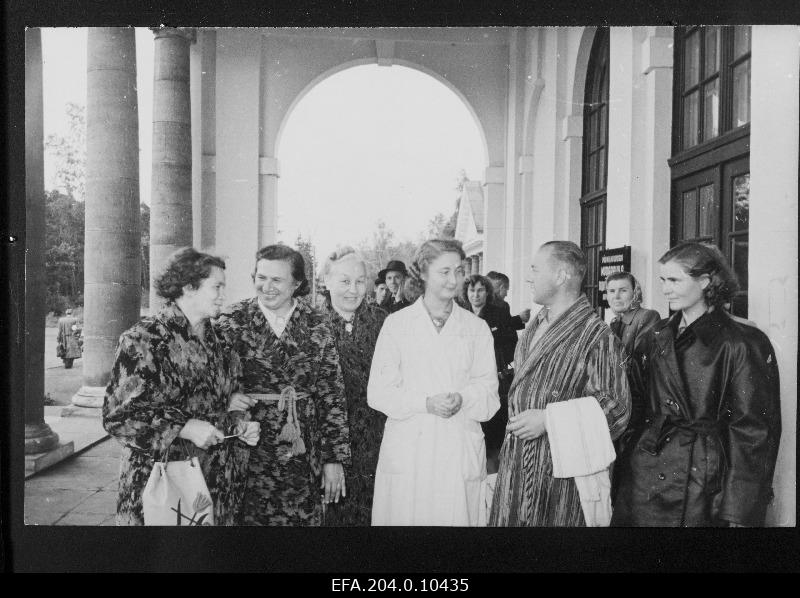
[
  {"x": 355, "y": 325},
  {"x": 173, "y": 383},
  {"x": 380, "y": 291},
  {"x": 477, "y": 295},
  {"x": 631, "y": 324},
  {"x": 68, "y": 346},
  {"x": 705, "y": 454},
  {"x": 434, "y": 376},
  {"x": 568, "y": 370},
  {"x": 291, "y": 374},
  {"x": 393, "y": 276},
  {"x": 500, "y": 284}
]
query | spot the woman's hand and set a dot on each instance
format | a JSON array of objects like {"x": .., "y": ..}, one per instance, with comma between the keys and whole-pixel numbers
[
  {"x": 248, "y": 432},
  {"x": 444, "y": 404},
  {"x": 240, "y": 402},
  {"x": 202, "y": 434},
  {"x": 333, "y": 482}
]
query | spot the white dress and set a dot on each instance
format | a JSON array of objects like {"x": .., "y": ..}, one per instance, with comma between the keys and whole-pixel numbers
[{"x": 431, "y": 470}]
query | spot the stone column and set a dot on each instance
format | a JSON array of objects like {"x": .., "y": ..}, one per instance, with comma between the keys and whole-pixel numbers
[
  {"x": 494, "y": 217},
  {"x": 772, "y": 261},
  {"x": 171, "y": 195},
  {"x": 112, "y": 261},
  {"x": 38, "y": 435}
]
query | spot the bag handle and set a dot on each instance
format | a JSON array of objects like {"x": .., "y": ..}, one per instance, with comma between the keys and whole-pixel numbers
[{"x": 165, "y": 459}]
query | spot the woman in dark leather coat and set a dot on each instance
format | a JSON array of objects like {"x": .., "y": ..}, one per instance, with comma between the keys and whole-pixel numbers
[
  {"x": 477, "y": 295},
  {"x": 706, "y": 452}
]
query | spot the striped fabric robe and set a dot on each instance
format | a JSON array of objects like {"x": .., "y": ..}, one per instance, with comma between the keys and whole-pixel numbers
[{"x": 577, "y": 356}]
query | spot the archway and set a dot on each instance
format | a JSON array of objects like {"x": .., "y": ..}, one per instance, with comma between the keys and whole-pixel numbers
[{"x": 362, "y": 143}]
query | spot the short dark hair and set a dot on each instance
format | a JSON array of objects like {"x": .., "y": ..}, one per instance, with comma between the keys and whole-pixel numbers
[
  {"x": 569, "y": 254},
  {"x": 295, "y": 260},
  {"x": 186, "y": 266},
  {"x": 498, "y": 277},
  {"x": 635, "y": 286},
  {"x": 701, "y": 259},
  {"x": 378, "y": 281},
  {"x": 471, "y": 281}
]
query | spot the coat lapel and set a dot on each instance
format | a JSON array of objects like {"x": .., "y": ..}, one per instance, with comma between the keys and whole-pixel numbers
[
  {"x": 664, "y": 339},
  {"x": 550, "y": 340}
]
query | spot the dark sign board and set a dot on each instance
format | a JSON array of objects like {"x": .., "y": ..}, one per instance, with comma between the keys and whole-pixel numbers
[{"x": 613, "y": 260}]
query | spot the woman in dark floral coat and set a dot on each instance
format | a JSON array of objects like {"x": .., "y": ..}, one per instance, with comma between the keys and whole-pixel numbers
[
  {"x": 170, "y": 386},
  {"x": 355, "y": 324},
  {"x": 290, "y": 371}
]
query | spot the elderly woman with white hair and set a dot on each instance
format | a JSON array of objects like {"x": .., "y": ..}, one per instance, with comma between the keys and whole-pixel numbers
[{"x": 355, "y": 324}]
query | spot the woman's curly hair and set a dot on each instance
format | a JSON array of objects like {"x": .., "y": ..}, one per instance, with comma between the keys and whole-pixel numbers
[
  {"x": 293, "y": 258},
  {"x": 186, "y": 266},
  {"x": 700, "y": 259},
  {"x": 471, "y": 281},
  {"x": 424, "y": 255}
]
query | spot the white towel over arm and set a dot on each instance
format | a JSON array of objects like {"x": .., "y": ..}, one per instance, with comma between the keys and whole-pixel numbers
[{"x": 581, "y": 448}]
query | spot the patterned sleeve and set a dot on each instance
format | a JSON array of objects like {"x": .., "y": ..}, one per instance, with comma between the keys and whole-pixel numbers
[
  {"x": 608, "y": 382},
  {"x": 331, "y": 406},
  {"x": 141, "y": 408}
]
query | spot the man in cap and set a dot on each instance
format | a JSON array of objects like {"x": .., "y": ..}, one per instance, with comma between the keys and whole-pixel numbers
[{"x": 393, "y": 276}]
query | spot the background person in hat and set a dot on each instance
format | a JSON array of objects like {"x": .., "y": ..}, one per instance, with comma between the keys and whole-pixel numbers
[{"x": 393, "y": 276}]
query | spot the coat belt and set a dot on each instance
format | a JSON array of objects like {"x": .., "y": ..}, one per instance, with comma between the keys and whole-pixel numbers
[
  {"x": 662, "y": 426},
  {"x": 291, "y": 429}
]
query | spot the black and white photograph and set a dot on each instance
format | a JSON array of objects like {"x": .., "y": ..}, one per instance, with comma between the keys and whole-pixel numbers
[{"x": 408, "y": 277}]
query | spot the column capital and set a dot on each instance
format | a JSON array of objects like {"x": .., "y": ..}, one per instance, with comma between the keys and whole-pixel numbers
[
  {"x": 494, "y": 175},
  {"x": 656, "y": 53},
  {"x": 188, "y": 33},
  {"x": 571, "y": 127},
  {"x": 269, "y": 165}
]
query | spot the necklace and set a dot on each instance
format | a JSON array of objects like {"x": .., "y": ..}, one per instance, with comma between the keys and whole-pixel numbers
[{"x": 439, "y": 322}]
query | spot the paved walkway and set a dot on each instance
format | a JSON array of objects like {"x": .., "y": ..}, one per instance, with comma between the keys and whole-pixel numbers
[{"x": 82, "y": 490}]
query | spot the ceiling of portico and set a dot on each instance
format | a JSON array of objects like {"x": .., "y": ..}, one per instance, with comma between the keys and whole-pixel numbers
[{"x": 493, "y": 36}]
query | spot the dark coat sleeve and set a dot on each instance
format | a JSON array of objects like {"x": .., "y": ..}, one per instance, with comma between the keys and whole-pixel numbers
[{"x": 754, "y": 429}]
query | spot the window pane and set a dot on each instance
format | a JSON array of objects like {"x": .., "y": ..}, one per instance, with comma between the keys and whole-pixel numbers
[
  {"x": 592, "y": 173},
  {"x": 741, "y": 202},
  {"x": 603, "y": 116},
  {"x": 741, "y": 40},
  {"x": 711, "y": 110},
  {"x": 741, "y": 94},
  {"x": 601, "y": 222},
  {"x": 601, "y": 169},
  {"x": 690, "y": 120},
  {"x": 739, "y": 251},
  {"x": 713, "y": 38},
  {"x": 690, "y": 214},
  {"x": 691, "y": 60},
  {"x": 708, "y": 211}
]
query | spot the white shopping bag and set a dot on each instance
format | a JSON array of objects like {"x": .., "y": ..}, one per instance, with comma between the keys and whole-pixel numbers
[{"x": 176, "y": 494}]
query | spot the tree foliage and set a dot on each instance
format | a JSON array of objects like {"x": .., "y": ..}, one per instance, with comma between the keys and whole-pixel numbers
[
  {"x": 65, "y": 217},
  {"x": 70, "y": 153}
]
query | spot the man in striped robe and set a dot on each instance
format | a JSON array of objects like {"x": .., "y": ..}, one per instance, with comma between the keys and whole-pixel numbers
[{"x": 566, "y": 352}]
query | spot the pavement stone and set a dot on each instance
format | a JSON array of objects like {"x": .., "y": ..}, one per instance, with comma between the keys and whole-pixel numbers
[
  {"x": 81, "y": 490},
  {"x": 47, "y": 507}
]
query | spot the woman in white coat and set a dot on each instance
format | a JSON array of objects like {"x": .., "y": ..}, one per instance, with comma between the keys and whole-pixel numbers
[{"x": 434, "y": 375}]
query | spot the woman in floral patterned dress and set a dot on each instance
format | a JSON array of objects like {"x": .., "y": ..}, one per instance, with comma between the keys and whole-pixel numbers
[
  {"x": 171, "y": 385},
  {"x": 355, "y": 324},
  {"x": 290, "y": 372}
]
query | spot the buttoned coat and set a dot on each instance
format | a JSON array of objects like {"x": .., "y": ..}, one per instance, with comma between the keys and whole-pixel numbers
[
  {"x": 706, "y": 451},
  {"x": 431, "y": 470}
]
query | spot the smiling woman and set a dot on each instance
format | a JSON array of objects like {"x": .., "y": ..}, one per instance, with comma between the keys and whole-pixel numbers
[
  {"x": 170, "y": 390},
  {"x": 291, "y": 369}
]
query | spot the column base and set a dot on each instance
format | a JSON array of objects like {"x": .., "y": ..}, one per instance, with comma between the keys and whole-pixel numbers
[
  {"x": 89, "y": 396},
  {"x": 39, "y": 438},
  {"x": 34, "y": 463}
]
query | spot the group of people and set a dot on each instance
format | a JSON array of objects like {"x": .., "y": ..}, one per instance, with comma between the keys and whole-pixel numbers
[{"x": 398, "y": 408}]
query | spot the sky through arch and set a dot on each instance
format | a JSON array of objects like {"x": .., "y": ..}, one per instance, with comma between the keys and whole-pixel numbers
[{"x": 373, "y": 143}]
